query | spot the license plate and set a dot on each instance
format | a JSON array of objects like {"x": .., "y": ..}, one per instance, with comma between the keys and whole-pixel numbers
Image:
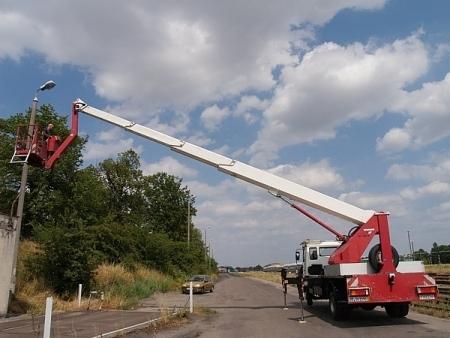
[
  {"x": 358, "y": 299},
  {"x": 426, "y": 297}
]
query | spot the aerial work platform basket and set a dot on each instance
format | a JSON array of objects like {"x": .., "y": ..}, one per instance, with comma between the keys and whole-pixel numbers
[{"x": 32, "y": 147}]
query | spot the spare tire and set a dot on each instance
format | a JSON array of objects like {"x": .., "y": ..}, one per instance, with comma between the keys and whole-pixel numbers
[{"x": 374, "y": 257}]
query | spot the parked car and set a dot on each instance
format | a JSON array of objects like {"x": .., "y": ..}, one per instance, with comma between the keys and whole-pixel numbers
[{"x": 200, "y": 284}]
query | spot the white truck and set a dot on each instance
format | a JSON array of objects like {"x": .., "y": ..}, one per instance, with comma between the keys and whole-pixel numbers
[{"x": 332, "y": 270}]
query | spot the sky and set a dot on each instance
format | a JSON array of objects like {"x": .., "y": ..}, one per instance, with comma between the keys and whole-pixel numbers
[{"x": 347, "y": 97}]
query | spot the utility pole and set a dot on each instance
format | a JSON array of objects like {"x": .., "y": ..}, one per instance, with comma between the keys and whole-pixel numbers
[
  {"x": 206, "y": 252},
  {"x": 23, "y": 182},
  {"x": 209, "y": 257},
  {"x": 410, "y": 245},
  {"x": 189, "y": 223}
]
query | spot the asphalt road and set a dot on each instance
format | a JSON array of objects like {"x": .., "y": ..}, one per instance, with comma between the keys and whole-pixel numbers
[
  {"x": 74, "y": 324},
  {"x": 249, "y": 308}
]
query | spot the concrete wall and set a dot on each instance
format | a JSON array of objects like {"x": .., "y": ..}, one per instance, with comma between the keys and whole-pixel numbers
[{"x": 7, "y": 241}]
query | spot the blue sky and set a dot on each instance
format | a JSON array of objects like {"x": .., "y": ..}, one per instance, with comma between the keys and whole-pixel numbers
[{"x": 347, "y": 97}]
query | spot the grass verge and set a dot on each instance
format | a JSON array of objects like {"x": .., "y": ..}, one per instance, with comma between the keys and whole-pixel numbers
[
  {"x": 122, "y": 288},
  {"x": 438, "y": 268},
  {"x": 268, "y": 276},
  {"x": 440, "y": 310}
]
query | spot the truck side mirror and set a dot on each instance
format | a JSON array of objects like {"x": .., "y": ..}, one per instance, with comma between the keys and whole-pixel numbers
[{"x": 297, "y": 256}]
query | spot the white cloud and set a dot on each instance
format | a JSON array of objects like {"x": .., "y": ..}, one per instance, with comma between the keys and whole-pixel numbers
[
  {"x": 438, "y": 168},
  {"x": 199, "y": 139},
  {"x": 429, "y": 111},
  {"x": 394, "y": 140},
  {"x": 213, "y": 116},
  {"x": 441, "y": 214},
  {"x": 108, "y": 144},
  {"x": 335, "y": 84},
  {"x": 164, "y": 54},
  {"x": 318, "y": 175},
  {"x": 379, "y": 202},
  {"x": 247, "y": 107},
  {"x": 433, "y": 188},
  {"x": 442, "y": 50},
  {"x": 170, "y": 166}
]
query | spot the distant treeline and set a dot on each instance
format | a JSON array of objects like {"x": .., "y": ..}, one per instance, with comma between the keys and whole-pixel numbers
[
  {"x": 249, "y": 268},
  {"x": 438, "y": 254}
]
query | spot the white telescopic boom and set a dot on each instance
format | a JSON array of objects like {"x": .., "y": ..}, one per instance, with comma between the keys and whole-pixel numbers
[{"x": 261, "y": 178}]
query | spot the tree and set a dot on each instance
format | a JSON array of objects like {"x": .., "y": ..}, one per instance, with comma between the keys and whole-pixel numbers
[
  {"x": 422, "y": 255},
  {"x": 167, "y": 205},
  {"x": 69, "y": 258},
  {"x": 440, "y": 254},
  {"x": 123, "y": 181}
]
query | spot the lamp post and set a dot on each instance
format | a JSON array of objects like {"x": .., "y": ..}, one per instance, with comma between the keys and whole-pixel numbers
[
  {"x": 410, "y": 244},
  {"x": 206, "y": 249},
  {"x": 189, "y": 224},
  {"x": 23, "y": 182}
]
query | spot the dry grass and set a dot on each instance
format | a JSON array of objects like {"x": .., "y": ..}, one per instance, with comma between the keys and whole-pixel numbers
[
  {"x": 168, "y": 320},
  {"x": 171, "y": 320},
  {"x": 33, "y": 297},
  {"x": 433, "y": 309},
  {"x": 438, "y": 268},
  {"x": 269, "y": 276},
  {"x": 122, "y": 288}
]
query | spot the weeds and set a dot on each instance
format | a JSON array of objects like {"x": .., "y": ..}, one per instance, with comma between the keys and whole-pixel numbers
[
  {"x": 269, "y": 276},
  {"x": 124, "y": 288},
  {"x": 438, "y": 268}
]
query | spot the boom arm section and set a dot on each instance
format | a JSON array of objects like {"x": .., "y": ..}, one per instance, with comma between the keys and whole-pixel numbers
[{"x": 238, "y": 169}]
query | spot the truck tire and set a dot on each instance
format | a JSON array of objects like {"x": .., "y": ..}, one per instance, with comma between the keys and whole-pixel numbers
[
  {"x": 338, "y": 311},
  {"x": 309, "y": 299},
  {"x": 374, "y": 257},
  {"x": 397, "y": 310}
]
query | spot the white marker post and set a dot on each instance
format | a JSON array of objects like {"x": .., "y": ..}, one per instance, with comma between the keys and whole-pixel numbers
[
  {"x": 80, "y": 288},
  {"x": 48, "y": 317},
  {"x": 191, "y": 300}
]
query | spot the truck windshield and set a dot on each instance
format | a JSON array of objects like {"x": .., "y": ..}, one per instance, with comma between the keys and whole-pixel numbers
[{"x": 327, "y": 251}]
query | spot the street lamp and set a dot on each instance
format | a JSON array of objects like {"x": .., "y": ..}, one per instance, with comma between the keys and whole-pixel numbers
[
  {"x": 47, "y": 86},
  {"x": 23, "y": 183}
]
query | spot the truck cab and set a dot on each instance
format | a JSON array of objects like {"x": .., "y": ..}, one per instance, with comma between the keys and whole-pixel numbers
[{"x": 315, "y": 254}]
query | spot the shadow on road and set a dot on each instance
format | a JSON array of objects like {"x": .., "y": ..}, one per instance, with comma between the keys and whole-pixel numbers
[
  {"x": 357, "y": 318},
  {"x": 247, "y": 307}
]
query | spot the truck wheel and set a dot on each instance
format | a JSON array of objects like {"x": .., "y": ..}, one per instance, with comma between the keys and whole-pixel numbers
[
  {"x": 375, "y": 257},
  {"x": 397, "y": 310},
  {"x": 338, "y": 311},
  {"x": 212, "y": 289},
  {"x": 309, "y": 299}
]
